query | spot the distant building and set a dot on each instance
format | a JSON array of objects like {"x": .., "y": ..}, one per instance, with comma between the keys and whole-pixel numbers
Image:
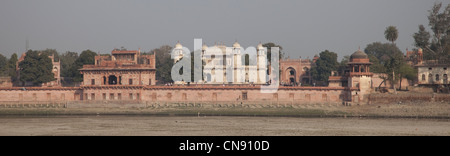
[
  {"x": 229, "y": 68},
  {"x": 433, "y": 74},
  {"x": 296, "y": 71},
  {"x": 118, "y": 76}
]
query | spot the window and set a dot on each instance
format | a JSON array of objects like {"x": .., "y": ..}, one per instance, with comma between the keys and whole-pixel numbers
[
  {"x": 119, "y": 96},
  {"x": 437, "y": 77},
  {"x": 149, "y": 81},
  {"x": 111, "y": 96},
  {"x": 131, "y": 96},
  {"x": 104, "y": 96},
  {"x": 445, "y": 68},
  {"x": 76, "y": 96},
  {"x": 423, "y": 77},
  {"x": 244, "y": 95},
  {"x": 92, "y": 96},
  {"x": 292, "y": 72},
  {"x": 130, "y": 81},
  {"x": 214, "y": 96},
  {"x": 324, "y": 97},
  {"x": 138, "y": 96},
  {"x": 430, "y": 68},
  {"x": 92, "y": 81}
]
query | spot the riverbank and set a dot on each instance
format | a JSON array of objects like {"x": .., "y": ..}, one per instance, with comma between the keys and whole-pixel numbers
[{"x": 410, "y": 110}]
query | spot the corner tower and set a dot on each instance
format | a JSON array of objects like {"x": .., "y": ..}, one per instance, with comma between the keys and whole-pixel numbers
[{"x": 359, "y": 77}]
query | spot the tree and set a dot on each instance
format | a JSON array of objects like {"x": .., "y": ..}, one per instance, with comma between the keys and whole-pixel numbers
[
  {"x": 164, "y": 64},
  {"x": 387, "y": 58},
  {"x": 439, "y": 47},
  {"x": 269, "y": 51},
  {"x": 391, "y": 34},
  {"x": 51, "y": 52},
  {"x": 67, "y": 61},
  {"x": 383, "y": 51},
  {"x": 86, "y": 57},
  {"x": 36, "y": 68},
  {"x": 3, "y": 65},
  {"x": 11, "y": 69},
  {"x": 422, "y": 38},
  {"x": 376, "y": 66},
  {"x": 406, "y": 71},
  {"x": 343, "y": 65},
  {"x": 326, "y": 63}
]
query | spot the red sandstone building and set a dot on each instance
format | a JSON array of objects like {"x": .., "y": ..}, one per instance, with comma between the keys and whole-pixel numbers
[{"x": 118, "y": 76}]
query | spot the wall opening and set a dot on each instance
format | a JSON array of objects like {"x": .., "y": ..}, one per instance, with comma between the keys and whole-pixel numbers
[
  {"x": 92, "y": 96},
  {"x": 244, "y": 96},
  {"x": 112, "y": 80},
  {"x": 111, "y": 96}
]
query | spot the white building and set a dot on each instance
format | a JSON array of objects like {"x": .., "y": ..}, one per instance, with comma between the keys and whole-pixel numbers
[
  {"x": 227, "y": 65},
  {"x": 431, "y": 74}
]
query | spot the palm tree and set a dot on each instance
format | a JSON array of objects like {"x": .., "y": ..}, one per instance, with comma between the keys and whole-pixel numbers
[{"x": 391, "y": 34}]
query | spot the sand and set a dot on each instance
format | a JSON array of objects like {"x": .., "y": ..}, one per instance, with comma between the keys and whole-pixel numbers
[{"x": 119, "y": 125}]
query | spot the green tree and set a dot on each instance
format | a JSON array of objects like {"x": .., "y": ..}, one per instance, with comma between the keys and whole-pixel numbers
[
  {"x": 376, "y": 67},
  {"x": 343, "y": 65},
  {"x": 51, "y": 52},
  {"x": 67, "y": 61},
  {"x": 386, "y": 58},
  {"x": 391, "y": 34},
  {"x": 326, "y": 63},
  {"x": 406, "y": 71},
  {"x": 164, "y": 64},
  {"x": 86, "y": 57},
  {"x": 269, "y": 51},
  {"x": 36, "y": 68},
  {"x": 3, "y": 65},
  {"x": 439, "y": 47},
  {"x": 383, "y": 51},
  {"x": 11, "y": 69}
]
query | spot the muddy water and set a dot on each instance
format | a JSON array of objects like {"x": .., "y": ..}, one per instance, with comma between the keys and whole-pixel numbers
[{"x": 253, "y": 126}]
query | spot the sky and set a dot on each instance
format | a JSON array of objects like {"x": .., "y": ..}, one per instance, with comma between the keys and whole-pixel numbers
[{"x": 302, "y": 27}]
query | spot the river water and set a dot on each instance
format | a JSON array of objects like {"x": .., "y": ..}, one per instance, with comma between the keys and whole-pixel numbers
[{"x": 217, "y": 125}]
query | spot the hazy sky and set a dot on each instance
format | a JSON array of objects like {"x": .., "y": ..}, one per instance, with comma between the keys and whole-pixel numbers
[{"x": 302, "y": 27}]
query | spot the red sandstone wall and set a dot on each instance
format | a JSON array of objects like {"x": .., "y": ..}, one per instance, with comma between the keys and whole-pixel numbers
[
  {"x": 38, "y": 95},
  {"x": 177, "y": 94}
]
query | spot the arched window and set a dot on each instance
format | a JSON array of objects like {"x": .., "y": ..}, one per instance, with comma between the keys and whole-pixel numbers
[
  {"x": 437, "y": 77},
  {"x": 423, "y": 77},
  {"x": 430, "y": 78}
]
